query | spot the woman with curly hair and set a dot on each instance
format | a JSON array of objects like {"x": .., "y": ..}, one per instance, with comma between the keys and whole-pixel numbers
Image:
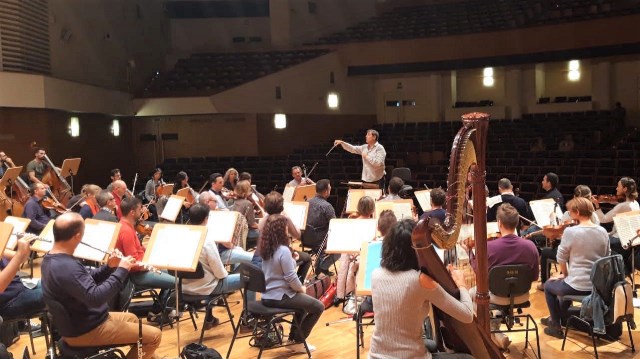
[
  {"x": 283, "y": 287},
  {"x": 401, "y": 298}
]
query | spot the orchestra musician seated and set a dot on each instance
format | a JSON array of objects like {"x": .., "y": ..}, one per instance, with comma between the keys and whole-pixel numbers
[
  {"x": 245, "y": 207},
  {"x": 89, "y": 207},
  {"x": 151, "y": 193},
  {"x": 346, "y": 281},
  {"x": 230, "y": 179},
  {"x": 129, "y": 245},
  {"x": 118, "y": 190},
  {"x": 283, "y": 287},
  {"x": 182, "y": 182},
  {"x": 505, "y": 188},
  {"x": 84, "y": 294},
  {"x": 438, "y": 199},
  {"x": 107, "y": 203},
  {"x": 401, "y": 298},
  {"x": 318, "y": 217},
  {"x": 298, "y": 179},
  {"x": 274, "y": 204},
  {"x": 549, "y": 254},
  {"x": 15, "y": 298},
  {"x": 35, "y": 211},
  {"x": 114, "y": 175},
  {"x": 395, "y": 185},
  {"x": 508, "y": 249},
  {"x": 216, "y": 279},
  {"x": 628, "y": 190},
  {"x": 229, "y": 253},
  {"x": 217, "y": 183},
  {"x": 581, "y": 246}
]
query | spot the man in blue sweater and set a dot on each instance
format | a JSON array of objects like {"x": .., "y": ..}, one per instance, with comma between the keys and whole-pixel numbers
[{"x": 84, "y": 294}]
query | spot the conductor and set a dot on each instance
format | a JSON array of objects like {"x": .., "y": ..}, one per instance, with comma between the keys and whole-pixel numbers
[{"x": 373, "y": 157}]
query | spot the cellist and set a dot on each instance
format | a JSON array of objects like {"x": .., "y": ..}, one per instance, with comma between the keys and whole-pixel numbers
[{"x": 5, "y": 163}]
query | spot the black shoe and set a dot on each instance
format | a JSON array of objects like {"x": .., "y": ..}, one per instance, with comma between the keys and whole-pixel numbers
[
  {"x": 547, "y": 322},
  {"x": 554, "y": 332}
]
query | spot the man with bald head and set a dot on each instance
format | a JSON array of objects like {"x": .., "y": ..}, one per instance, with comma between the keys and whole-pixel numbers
[
  {"x": 84, "y": 294},
  {"x": 209, "y": 200},
  {"x": 119, "y": 188}
]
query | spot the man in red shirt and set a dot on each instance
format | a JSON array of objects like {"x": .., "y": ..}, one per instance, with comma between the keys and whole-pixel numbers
[
  {"x": 129, "y": 245},
  {"x": 118, "y": 190}
]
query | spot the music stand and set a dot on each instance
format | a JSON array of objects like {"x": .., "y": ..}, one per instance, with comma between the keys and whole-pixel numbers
[
  {"x": 101, "y": 235},
  {"x": 347, "y": 235},
  {"x": 221, "y": 226},
  {"x": 46, "y": 233},
  {"x": 304, "y": 193},
  {"x": 370, "y": 257},
  {"x": 402, "y": 208},
  {"x": 166, "y": 189},
  {"x": 626, "y": 224},
  {"x": 5, "y": 232},
  {"x": 19, "y": 226},
  {"x": 354, "y": 195},
  {"x": 298, "y": 212},
  {"x": 172, "y": 208},
  {"x": 424, "y": 199},
  {"x": 10, "y": 176},
  {"x": 175, "y": 247},
  {"x": 287, "y": 193},
  {"x": 70, "y": 169}
]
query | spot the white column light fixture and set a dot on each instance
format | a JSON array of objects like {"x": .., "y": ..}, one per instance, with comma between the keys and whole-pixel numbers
[
  {"x": 74, "y": 127},
  {"x": 115, "y": 127},
  {"x": 487, "y": 77},
  {"x": 333, "y": 100},
  {"x": 280, "y": 121},
  {"x": 574, "y": 70}
]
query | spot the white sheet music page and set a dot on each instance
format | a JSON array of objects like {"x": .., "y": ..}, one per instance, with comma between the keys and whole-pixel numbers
[
  {"x": 174, "y": 248},
  {"x": 221, "y": 226},
  {"x": 492, "y": 227},
  {"x": 347, "y": 235},
  {"x": 47, "y": 233},
  {"x": 297, "y": 211},
  {"x": 492, "y": 201},
  {"x": 19, "y": 226},
  {"x": 424, "y": 199},
  {"x": 542, "y": 210},
  {"x": 97, "y": 235},
  {"x": 172, "y": 208},
  {"x": 287, "y": 193},
  {"x": 627, "y": 225}
]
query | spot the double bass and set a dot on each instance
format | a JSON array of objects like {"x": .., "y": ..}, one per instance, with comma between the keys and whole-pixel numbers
[
  {"x": 18, "y": 197},
  {"x": 467, "y": 157},
  {"x": 58, "y": 185}
]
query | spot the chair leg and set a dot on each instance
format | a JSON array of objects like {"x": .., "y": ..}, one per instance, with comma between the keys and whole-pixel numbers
[
  {"x": 299, "y": 329},
  {"x": 633, "y": 348},
  {"x": 226, "y": 305},
  {"x": 192, "y": 315},
  {"x": 566, "y": 331},
  {"x": 593, "y": 339},
  {"x": 235, "y": 334},
  {"x": 33, "y": 348}
]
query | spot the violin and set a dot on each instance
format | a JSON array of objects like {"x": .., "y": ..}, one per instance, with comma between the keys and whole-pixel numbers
[
  {"x": 53, "y": 204},
  {"x": 609, "y": 198},
  {"x": 553, "y": 231},
  {"x": 141, "y": 227}
]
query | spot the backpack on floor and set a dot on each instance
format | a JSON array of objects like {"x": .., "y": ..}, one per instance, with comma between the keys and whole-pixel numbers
[{"x": 199, "y": 351}]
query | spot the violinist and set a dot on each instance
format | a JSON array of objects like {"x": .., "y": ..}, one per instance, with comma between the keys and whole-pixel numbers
[
  {"x": 506, "y": 193},
  {"x": 151, "y": 192},
  {"x": 549, "y": 254},
  {"x": 5, "y": 163},
  {"x": 245, "y": 207},
  {"x": 115, "y": 176},
  {"x": 35, "y": 211},
  {"x": 581, "y": 246},
  {"x": 217, "y": 183},
  {"x": 37, "y": 167},
  {"x": 118, "y": 190},
  {"x": 90, "y": 206},
  {"x": 296, "y": 173},
  {"x": 401, "y": 295},
  {"x": 107, "y": 203},
  {"x": 506, "y": 250},
  {"x": 230, "y": 179},
  {"x": 627, "y": 189}
]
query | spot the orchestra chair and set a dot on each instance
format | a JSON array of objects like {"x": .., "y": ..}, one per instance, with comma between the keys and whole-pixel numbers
[
  {"x": 58, "y": 312},
  {"x": 194, "y": 302},
  {"x": 267, "y": 319},
  {"x": 26, "y": 317},
  {"x": 364, "y": 317},
  {"x": 616, "y": 293},
  {"x": 404, "y": 174},
  {"x": 509, "y": 287}
]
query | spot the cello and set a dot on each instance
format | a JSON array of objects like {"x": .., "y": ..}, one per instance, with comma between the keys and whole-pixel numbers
[{"x": 467, "y": 157}]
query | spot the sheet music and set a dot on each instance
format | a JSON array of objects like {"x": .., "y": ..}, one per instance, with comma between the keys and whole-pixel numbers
[
  {"x": 174, "y": 247},
  {"x": 221, "y": 226},
  {"x": 466, "y": 231},
  {"x": 542, "y": 209},
  {"x": 47, "y": 233},
  {"x": 172, "y": 208},
  {"x": 492, "y": 227},
  {"x": 97, "y": 234},
  {"x": 627, "y": 225},
  {"x": 347, "y": 235},
  {"x": 492, "y": 201},
  {"x": 19, "y": 226},
  {"x": 401, "y": 208},
  {"x": 297, "y": 211},
  {"x": 288, "y": 192},
  {"x": 424, "y": 199}
]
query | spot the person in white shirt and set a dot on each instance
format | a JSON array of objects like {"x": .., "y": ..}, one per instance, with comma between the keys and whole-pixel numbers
[
  {"x": 217, "y": 183},
  {"x": 373, "y": 157},
  {"x": 628, "y": 189},
  {"x": 298, "y": 180},
  {"x": 216, "y": 279}
]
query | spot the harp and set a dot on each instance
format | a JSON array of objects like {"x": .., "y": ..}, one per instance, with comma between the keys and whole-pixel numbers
[{"x": 467, "y": 157}]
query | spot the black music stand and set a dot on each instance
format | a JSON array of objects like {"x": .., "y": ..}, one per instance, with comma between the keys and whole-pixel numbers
[{"x": 70, "y": 169}]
